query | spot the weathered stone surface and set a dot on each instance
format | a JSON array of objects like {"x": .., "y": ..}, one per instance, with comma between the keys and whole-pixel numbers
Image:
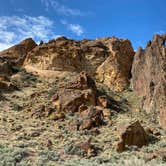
[
  {"x": 103, "y": 101},
  {"x": 5, "y": 67},
  {"x": 90, "y": 118},
  {"x": 131, "y": 135},
  {"x": 87, "y": 148},
  {"x": 18, "y": 52},
  {"x": 80, "y": 91},
  {"x": 149, "y": 77},
  {"x": 107, "y": 59},
  {"x": 61, "y": 54},
  {"x": 5, "y": 84},
  {"x": 115, "y": 70}
]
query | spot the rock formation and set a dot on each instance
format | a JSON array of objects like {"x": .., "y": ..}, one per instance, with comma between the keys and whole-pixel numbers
[
  {"x": 81, "y": 90},
  {"x": 92, "y": 117},
  {"x": 115, "y": 70},
  {"x": 131, "y": 135},
  {"x": 107, "y": 59},
  {"x": 149, "y": 77},
  {"x": 18, "y": 52}
]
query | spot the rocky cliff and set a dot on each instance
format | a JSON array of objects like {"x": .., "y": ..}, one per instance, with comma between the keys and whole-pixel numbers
[
  {"x": 108, "y": 60},
  {"x": 149, "y": 77}
]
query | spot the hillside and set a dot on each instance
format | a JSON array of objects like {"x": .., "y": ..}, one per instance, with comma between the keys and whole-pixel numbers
[{"x": 83, "y": 102}]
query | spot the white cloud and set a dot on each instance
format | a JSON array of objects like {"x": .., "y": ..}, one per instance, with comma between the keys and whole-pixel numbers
[
  {"x": 14, "y": 28},
  {"x": 62, "y": 9},
  {"x": 75, "y": 28},
  {"x": 160, "y": 32}
]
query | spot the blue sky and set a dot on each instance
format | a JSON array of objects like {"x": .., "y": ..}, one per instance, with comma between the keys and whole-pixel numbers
[{"x": 136, "y": 20}]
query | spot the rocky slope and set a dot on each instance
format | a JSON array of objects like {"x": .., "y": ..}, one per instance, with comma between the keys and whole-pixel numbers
[{"x": 70, "y": 102}]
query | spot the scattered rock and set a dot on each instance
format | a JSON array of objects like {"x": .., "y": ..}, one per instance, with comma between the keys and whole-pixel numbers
[
  {"x": 90, "y": 118},
  {"x": 80, "y": 91},
  {"x": 6, "y": 84},
  {"x": 87, "y": 148},
  {"x": 161, "y": 153},
  {"x": 57, "y": 116},
  {"x": 103, "y": 101}
]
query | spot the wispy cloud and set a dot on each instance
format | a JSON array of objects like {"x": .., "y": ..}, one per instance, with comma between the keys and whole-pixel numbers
[
  {"x": 160, "y": 32},
  {"x": 14, "y": 29},
  {"x": 62, "y": 9},
  {"x": 74, "y": 28}
]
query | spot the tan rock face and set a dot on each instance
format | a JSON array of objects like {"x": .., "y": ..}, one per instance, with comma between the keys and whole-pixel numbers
[
  {"x": 107, "y": 59},
  {"x": 149, "y": 77},
  {"x": 115, "y": 70},
  {"x": 80, "y": 91},
  {"x": 18, "y": 52},
  {"x": 131, "y": 134}
]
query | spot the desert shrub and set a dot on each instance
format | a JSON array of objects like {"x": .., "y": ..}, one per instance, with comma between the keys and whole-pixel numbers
[
  {"x": 121, "y": 162},
  {"x": 46, "y": 156},
  {"x": 11, "y": 156}
]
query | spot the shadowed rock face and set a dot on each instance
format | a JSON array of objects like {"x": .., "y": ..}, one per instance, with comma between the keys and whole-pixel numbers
[
  {"x": 132, "y": 135},
  {"x": 149, "y": 77},
  {"x": 107, "y": 59}
]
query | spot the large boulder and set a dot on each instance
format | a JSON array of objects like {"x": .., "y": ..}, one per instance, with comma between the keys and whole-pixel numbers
[
  {"x": 131, "y": 135},
  {"x": 82, "y": 90},
  {"x": 149, "y": 77},
  {"x": 107, "y": 59}
]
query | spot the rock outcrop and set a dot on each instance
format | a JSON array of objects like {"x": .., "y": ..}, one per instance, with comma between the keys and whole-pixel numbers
[
  {"x": 115, "y": 70},
  {"x": 107, "y": 59},
  {"x": 17, "y": 53},
  {"x": 131, "y": 135},
  {"x": 149, "y": 77},
  {"x": 92, "y": 117},
  {"x": 81, "y": 90},
  {"x": 5, "y": 67},
  {"x": 6, "y": 84}
]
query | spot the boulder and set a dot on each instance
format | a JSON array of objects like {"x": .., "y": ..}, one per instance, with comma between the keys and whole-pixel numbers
[
  {"x": 90, "y": 118},
  {"x": 82, "y": 90},
  {"x": 103, "y": 101},
  {"x": 6, "y": 84},
  {"x": 149, "y": 77},
  {"x": 87, "y": 148},
  {"x": 131, "y": 135}
]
